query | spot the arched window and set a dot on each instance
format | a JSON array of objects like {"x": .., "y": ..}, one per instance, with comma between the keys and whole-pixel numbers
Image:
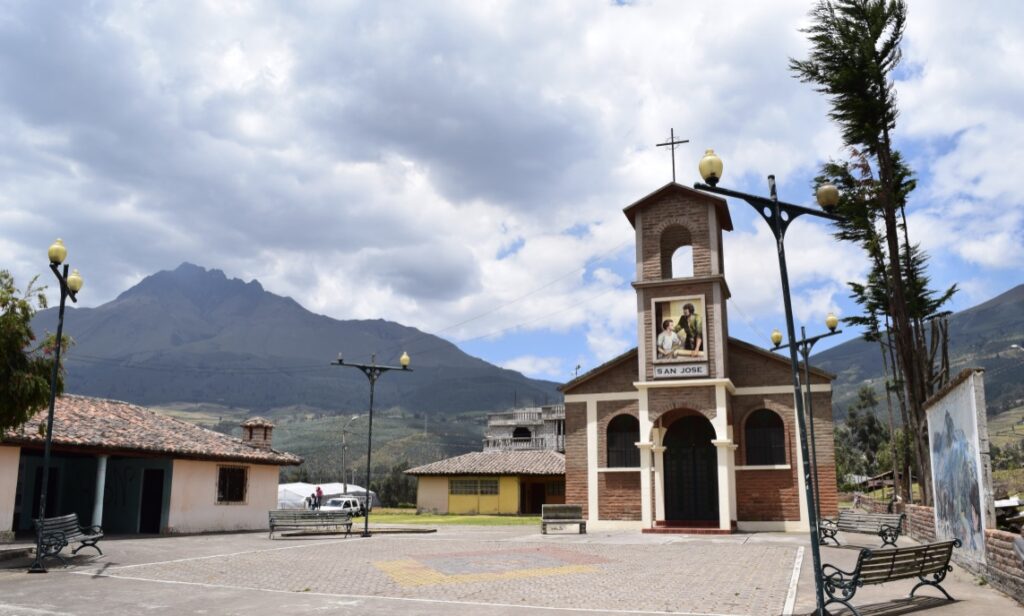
[
  {"x": 521, "y": 433},
  {"x": 765, "y": 438},
  {"x": 676, "y": 248},
  {"x": 623, "y": 435}
]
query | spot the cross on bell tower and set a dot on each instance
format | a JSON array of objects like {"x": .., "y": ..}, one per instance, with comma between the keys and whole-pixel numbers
[{"x": 672, "y": 143}]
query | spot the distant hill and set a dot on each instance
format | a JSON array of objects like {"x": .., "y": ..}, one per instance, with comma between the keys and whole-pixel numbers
[
  {"x": 193, "y": 335},
  {"x": 981, "y": 336}
]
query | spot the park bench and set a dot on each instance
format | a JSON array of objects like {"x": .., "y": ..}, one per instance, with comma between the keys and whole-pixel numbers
[
  {"x": 878, "y": 566},
  {"x": 888, "y": 526},
  {"x": 61, "y": 531},
  {"x": 562, "y": 514},
  {"x": 301, "y": 519}
]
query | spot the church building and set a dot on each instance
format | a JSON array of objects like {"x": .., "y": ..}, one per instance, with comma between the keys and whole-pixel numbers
[{"x": 691, "y": 431}]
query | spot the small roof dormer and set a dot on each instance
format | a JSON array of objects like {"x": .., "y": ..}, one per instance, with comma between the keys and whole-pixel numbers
[{"x": 257, "y": 432}]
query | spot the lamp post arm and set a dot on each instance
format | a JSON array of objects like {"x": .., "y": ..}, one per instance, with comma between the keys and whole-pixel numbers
[
  {"x": 65, "y": 290},
  {"x": 372, "y": 372},
  {"x": 807, "y": 344},
  {"x": 761, "y": 202}
]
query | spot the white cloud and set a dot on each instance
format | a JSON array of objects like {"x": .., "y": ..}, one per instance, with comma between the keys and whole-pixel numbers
[
  {"x": 432, "y": 163},
  {"x": 537, "y": 367}
]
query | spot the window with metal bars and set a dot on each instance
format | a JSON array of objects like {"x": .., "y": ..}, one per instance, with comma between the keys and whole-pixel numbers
[
  {"x": 231, "y": 484},
  {"x": 623, "y": 435},
  {"x": 765, "y": 437}
]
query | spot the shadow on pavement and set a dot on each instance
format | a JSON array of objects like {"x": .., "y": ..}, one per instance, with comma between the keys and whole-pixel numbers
[{"x": 891, "y": 608}]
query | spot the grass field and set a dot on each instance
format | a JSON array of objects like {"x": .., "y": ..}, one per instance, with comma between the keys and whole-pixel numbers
[
  {"x": 408, "y": 516},
  {"x": 1006, "y": 428},
  {"x": 1009, "y": 480}
]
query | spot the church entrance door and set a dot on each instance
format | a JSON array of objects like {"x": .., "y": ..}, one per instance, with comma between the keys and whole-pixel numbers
[{"x": 691, "y": 471}]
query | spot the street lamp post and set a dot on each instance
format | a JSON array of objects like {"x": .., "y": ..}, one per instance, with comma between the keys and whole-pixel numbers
[
  {"x": 344, "y": 454},
  {"x": 372, "y": 372},
  {"x": 804, "y": 346},
  {"x": 70, "y": 285},
  {"x": 779, "y": 215}
]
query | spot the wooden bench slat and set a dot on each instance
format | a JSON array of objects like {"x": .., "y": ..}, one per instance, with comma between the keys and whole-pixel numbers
[
  {"x": 562, "y": 514},
  {"x": 928, "y": 563},
  {"x": 59, "y": 532}
]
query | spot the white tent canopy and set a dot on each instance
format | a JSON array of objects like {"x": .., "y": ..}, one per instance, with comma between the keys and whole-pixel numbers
[{"x": 294, "y": 495}]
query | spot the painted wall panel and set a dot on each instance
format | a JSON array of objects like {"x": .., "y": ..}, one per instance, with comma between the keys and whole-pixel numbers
[
  {"x": 194, "y": 507},
  {"x": 432, "y": 494},
  {"x": 8, "y": 487},
  {"x": 508, "y": 495}
]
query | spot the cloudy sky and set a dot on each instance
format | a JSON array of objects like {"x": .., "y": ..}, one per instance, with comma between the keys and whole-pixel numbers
[{"x": 462, "y": 167}]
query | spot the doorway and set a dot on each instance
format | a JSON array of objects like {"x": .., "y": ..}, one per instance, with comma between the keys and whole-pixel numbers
[
  {"x": 152, "y": 501},
  {"x": 691, "y": 471}
]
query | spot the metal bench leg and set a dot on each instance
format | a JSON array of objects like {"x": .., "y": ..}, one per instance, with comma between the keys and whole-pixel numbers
[
  {"x": 88, "y": 544},
  {"x": 848, "y": 606},
  {"x": 826, "y": 534},
  {"x": 935, "y": 581},
  {"x": 543, "y": 528}
]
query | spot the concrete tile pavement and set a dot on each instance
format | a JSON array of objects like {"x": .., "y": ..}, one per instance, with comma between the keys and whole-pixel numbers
[{"x": 459, "y": 570}]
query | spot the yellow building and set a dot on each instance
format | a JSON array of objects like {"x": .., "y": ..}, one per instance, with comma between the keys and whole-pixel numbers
[{"x": 491, "y": 482}]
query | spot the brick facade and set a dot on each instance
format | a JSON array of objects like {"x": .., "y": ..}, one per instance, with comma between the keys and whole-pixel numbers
[
  {"x": 576, "y": 454},
  {"x": 665, "y": 220}
]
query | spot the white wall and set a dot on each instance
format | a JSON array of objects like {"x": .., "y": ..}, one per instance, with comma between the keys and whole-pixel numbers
[
  {"x": 432, "y": 494},
  {"x": 9, "y": 457},
  {"x": 194, "y": 505}
]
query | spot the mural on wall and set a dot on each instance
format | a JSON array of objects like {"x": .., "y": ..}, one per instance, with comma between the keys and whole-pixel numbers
[
  {"x": 681, "y": 329},
  {"x": 957, "y": 468}
]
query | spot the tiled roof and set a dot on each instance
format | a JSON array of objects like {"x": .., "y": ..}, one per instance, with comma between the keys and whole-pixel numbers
[
  {"x": 80, "y": 422},
  {"x": 538, "y": 462}
]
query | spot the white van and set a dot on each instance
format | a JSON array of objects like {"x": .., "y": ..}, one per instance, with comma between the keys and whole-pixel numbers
[{"x": 348, "y": 504}]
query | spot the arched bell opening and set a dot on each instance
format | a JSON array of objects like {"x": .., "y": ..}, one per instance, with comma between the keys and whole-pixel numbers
[{"x": 676, "y": 249}]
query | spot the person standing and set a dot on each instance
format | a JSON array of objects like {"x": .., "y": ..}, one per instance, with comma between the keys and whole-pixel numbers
[
  {"x": 692, "y": 327},
  {"x": 319, "y": 497}
]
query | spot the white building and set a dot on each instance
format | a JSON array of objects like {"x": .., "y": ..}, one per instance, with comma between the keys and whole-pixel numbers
[{"x": 156, "y": 474}]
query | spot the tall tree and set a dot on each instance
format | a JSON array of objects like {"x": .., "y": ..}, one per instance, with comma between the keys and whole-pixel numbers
[
  {"x": 25, "y": 368},
  {"x": 855, "y": 47}
]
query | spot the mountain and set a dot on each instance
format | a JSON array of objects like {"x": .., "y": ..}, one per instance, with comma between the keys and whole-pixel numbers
[
  {"x": 982, "y": 336},
  {"x": 193, "y": 335}
]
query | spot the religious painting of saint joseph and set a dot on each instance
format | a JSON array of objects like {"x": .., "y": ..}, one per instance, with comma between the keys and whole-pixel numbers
[{"x": 680, "y": 329}]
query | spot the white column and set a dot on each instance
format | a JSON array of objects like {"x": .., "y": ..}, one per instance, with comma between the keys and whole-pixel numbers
[
  {"x": 101, "y": 484},
  {"x": 658, "y": 438},
  {"x": 726, "y": 472},
  {"x": 725, "y": 483},
  {"x": 732, "y": 474},
  {"x": 659, "y": 482},
  {"x": 646, "y": 514},
  {"x": 592, "y": 500},
  {"x": 645, "y": 445}
]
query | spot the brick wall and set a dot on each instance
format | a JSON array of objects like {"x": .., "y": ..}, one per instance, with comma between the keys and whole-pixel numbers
[
  {"x": 606, "y": 411},
  {"x": 752, "y": 367},
  {"x": 618, "y": 377},
  {"x": 700, "y": 399},
  {"x": 675, "y": 209},
  {"x": 619, "y": 495},
  {"x": 576, "y": 454},
  {"x": 1003, "y": 569}
]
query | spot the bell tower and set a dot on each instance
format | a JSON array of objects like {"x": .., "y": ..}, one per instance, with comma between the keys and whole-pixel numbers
[{"x": 680, "y": 284}]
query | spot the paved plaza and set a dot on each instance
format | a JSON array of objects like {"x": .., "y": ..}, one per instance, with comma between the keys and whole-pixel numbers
[{"x": 459, "y": 570}]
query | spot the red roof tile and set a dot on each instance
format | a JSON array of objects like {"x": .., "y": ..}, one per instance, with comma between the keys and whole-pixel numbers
[
  {"x": 529, "y": 462},
  {"x": 80, "y": 422}
]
